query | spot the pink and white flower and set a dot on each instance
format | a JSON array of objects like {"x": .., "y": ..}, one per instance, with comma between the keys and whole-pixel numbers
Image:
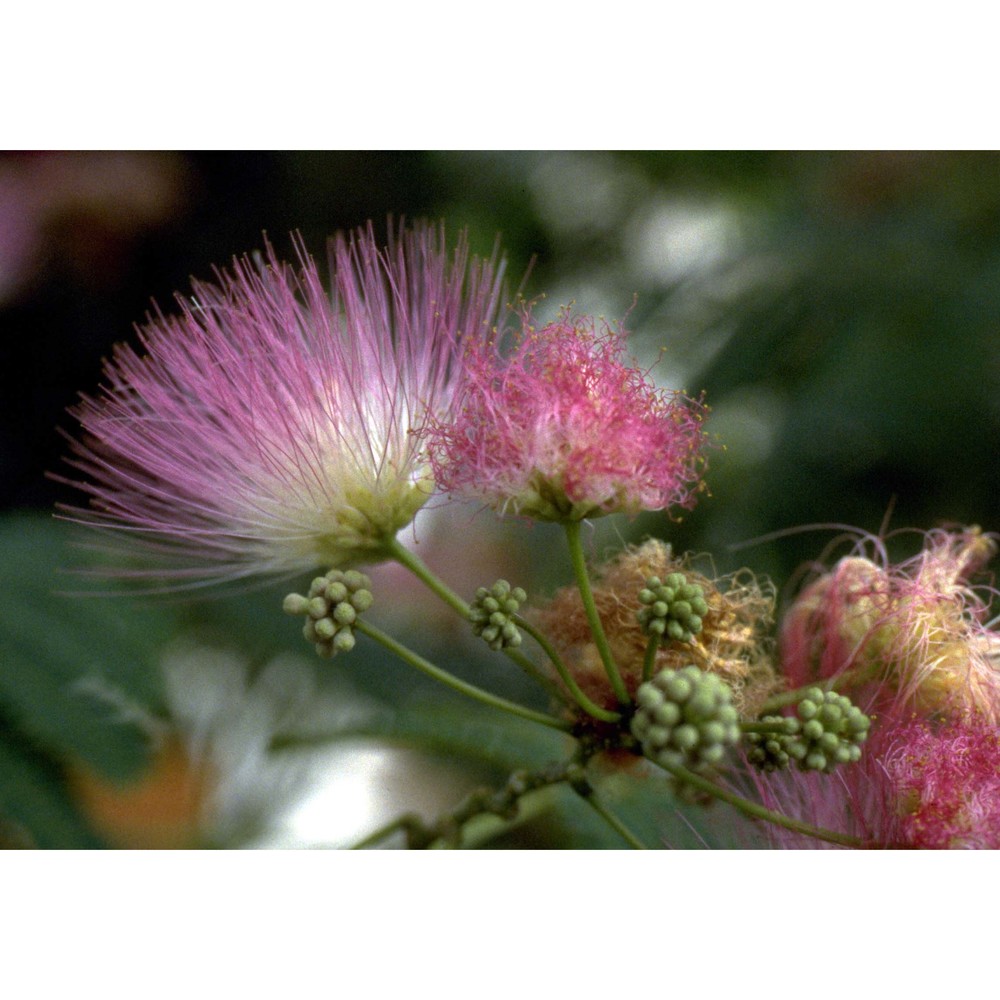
[
  {"x": 270, "y": 426},
  {"x": 560, "y": 427}
]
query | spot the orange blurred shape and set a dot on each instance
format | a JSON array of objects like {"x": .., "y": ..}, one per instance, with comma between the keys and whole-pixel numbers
[{"x": 159, "y": 810}]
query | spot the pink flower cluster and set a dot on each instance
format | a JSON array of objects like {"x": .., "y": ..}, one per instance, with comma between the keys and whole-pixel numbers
[
  {"x": 275, "y": 427},
  {"x": 269, "y": 427},
  {"x": 912, "y": 635},
  {"x": 910, "y": 644},
  {"x": 561, "y": 427},
  {"x": 919, "y": 785},
  {"x": 946, "y": 784}
]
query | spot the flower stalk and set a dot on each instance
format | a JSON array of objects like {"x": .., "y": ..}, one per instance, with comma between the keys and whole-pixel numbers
[
  {"x": 456, "y": 684},
  {"x": 756, "y": 811},
  {"x": 579, "y": 562}
]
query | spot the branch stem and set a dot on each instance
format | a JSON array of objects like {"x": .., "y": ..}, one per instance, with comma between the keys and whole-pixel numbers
[
  {"x": 567, "y": 678},
  {"x": 423, "y": 572},
  {"x": 590, "y": 609},
  {"x": 846, "y": 679},
  {"x": 755, "y": 811},
  {"x": 426, "y": 667},
  {"x": 611, "y": 819}
]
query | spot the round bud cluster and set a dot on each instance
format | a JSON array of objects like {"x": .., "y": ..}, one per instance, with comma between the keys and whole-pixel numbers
[
  {"x": 831, "y": 732},
  {"x": 768, "y": 751},
  {"x": 492, "y": 614},
  {"x": 331, "y": 609},
  {"x": 685, "y": 717},
  {"x": 673, "y": 608}
]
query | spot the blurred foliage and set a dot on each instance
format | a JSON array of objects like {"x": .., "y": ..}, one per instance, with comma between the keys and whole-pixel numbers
[
  {"x": 839, "y": 309},
  {"x": 68, "y": 668}
]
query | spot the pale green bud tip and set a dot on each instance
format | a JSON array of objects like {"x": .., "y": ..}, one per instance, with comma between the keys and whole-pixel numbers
[
  {"x": 492, "y": 612},
  {"x": 672, "y": 609},
  {"x": 362, "y": 600},
  {"x": 685, "y": 717},
  {"x": 325, "y": 629},
  {"x": 295, "y": 604},
  {"x": 331, "y": 608}
]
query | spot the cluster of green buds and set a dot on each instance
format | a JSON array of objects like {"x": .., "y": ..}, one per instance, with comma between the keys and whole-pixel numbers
[
  {"x": 768, "y": 746},
  {"x": 829, "y": 731},
  {"x": 685, "y": 718},
  {"x": 492, "y": 614},
  {"x": 673, "y": 609},
  {"x": 331, "y": 608}
]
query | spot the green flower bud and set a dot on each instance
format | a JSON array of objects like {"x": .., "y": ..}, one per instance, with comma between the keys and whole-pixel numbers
[
  {"x": 295, "y": 604},
  {"x": 673, "y": 609},
  {"x": 685, "y": 717},
  {"x": 832, "y": 732},
  {"x": 331, "y": 609},
  {"x": 829, "y": 731},
  {"x": 492, "y": 611},
  {"x": 771, "y": 751}
]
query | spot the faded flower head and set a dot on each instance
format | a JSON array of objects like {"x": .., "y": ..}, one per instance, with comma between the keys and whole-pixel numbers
[
  {"x": 562, "y": 428},
  {"x": 731, "y": 642},
  {"x": 269, "y": 428},
  {"x": 913, "y": 633}
]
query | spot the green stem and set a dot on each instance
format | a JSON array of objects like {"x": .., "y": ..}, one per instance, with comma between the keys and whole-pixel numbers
[
  {"x": 590, "y": 609},
  {"x": 650, "y": 658},
  {"x": 611, "y": 819},
  {"x": 756, "y": 811},
  {"x": 407, "y": 822},
  {"x": 764, "y": 728},
  {"x": 503, "y": 803},
  {"x": 846, "y": 679},
  {"x": 574, "y": 689},
  {"x": 426, "y": 575},
  {"x": 425, "y": 666},
  {"x": 423, "y": 572}
]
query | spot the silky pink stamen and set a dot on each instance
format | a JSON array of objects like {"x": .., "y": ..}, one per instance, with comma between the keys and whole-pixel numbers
[
  {"x": 270, "y": 426},
  {"x": 562, "y": 427}
]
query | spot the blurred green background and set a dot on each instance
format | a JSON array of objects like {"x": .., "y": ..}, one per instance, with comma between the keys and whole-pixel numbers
[{"x": 840, "y": 310}]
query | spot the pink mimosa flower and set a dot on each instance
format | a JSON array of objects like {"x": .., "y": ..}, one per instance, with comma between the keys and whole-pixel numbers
[
  {"x": 912, "y": 636},
  {"x": 269, "y": 428},
  {"x": 918, "y": 785},
  {"x": 947, "y": 785},
  {"x": 561, "y": 428}
]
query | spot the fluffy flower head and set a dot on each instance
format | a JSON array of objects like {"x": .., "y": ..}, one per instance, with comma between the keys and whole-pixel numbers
[
  {"x": 268, "y": 428},
  {"x": 918, "y": 785},
  {"x": 562, "y": 428},
  {"x": 913, "y": 633},
  {"x": 947, "y": 785}
]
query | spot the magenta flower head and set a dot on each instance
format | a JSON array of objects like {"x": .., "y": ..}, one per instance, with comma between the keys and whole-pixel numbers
[
  {"x": 919, "y": 785},
  {"x": 269, "y": 427},
  {"x": 560, "y": 427},
  {"x": 947, "y": 785}
]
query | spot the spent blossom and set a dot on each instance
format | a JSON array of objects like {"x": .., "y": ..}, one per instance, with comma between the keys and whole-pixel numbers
[
  {"x": 560, "y": 427},
  {"x": 731, "y": 642},
  {"x": 269, "y": 427}
]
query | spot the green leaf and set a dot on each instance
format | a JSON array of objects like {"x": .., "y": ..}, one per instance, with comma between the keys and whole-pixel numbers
[
  {"x": 32, "y": 795},
  {"x": 73, "y": 668},
  {"x": 447, "y": 726}
]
